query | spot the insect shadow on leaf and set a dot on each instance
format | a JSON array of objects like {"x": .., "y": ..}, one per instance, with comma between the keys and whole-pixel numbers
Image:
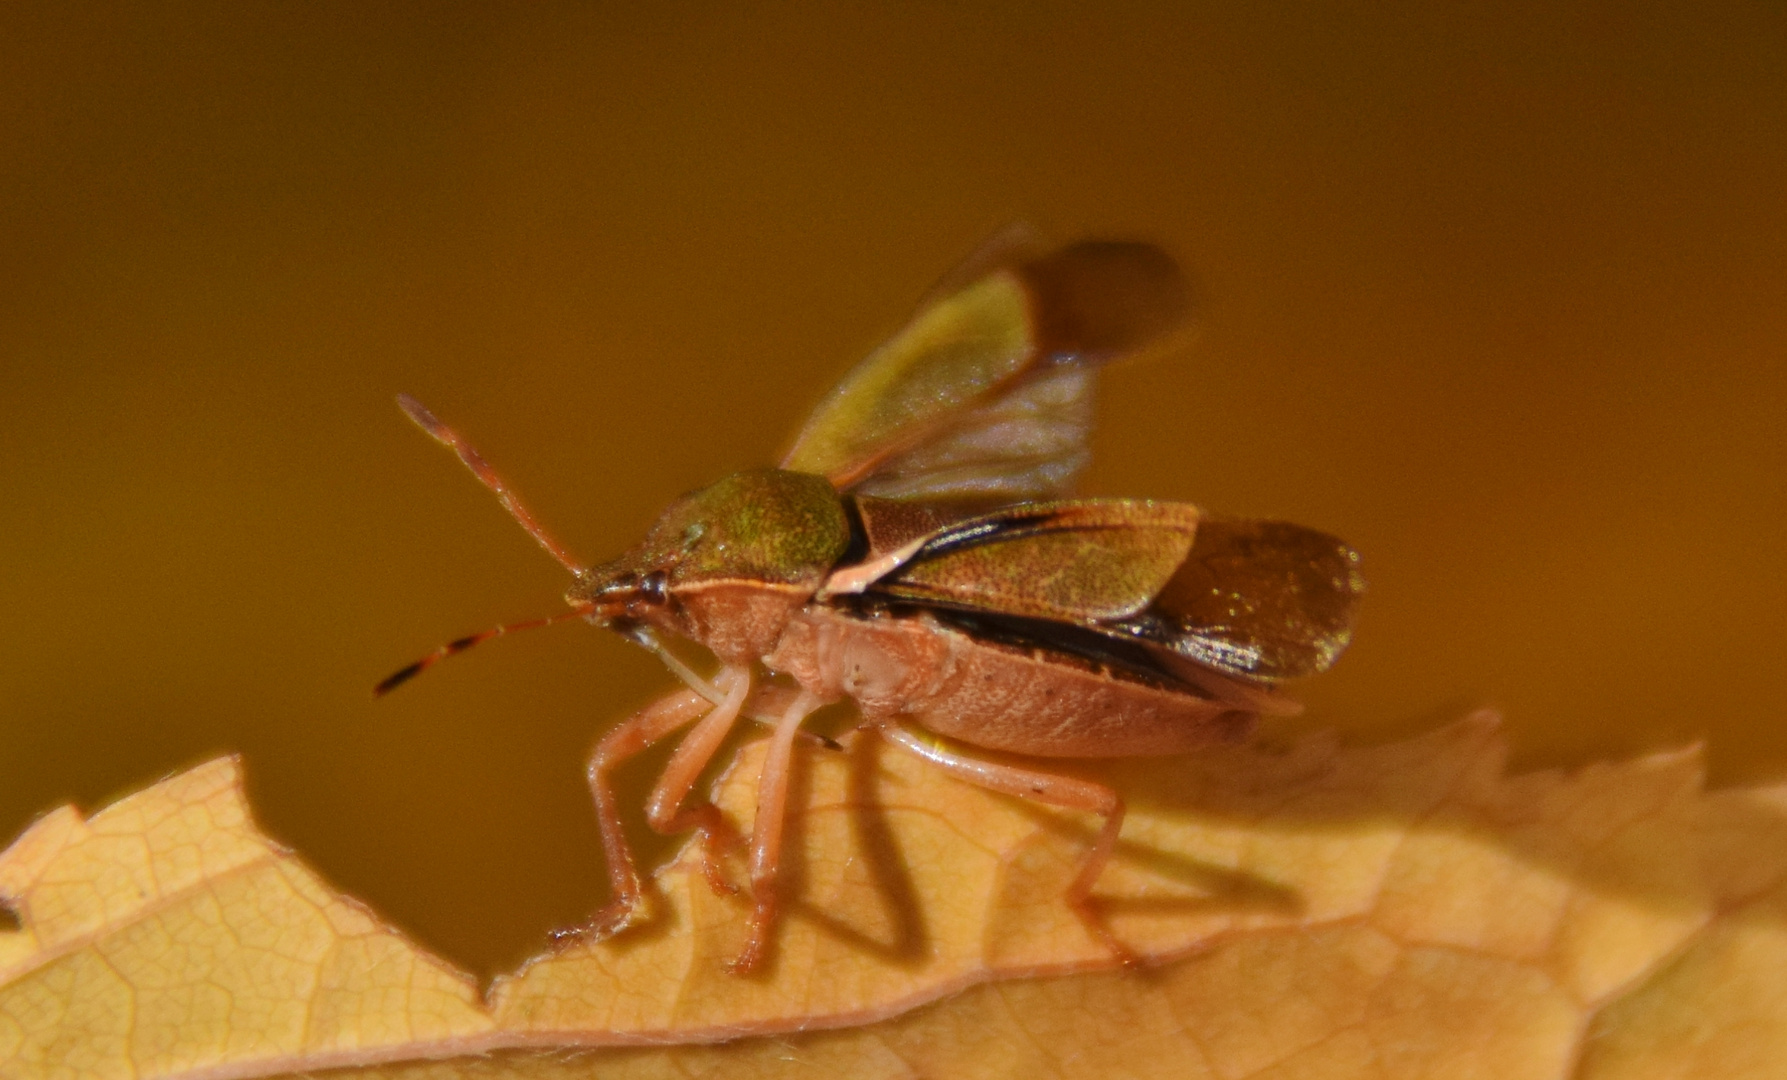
[{"x": 904, "y": 941}]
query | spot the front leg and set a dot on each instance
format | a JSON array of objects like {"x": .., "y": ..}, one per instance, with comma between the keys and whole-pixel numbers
[
  {"x": 664, "y": 810},
  {"x": 632, "y": 736},
  {"x": 1043, "y": 787}
]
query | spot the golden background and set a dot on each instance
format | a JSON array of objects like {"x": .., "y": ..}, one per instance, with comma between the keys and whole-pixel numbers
[{"x": 1501, "y": 298}]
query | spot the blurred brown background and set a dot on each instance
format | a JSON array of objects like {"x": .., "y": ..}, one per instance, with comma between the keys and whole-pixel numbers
[{"x": 1501, "y": 298}]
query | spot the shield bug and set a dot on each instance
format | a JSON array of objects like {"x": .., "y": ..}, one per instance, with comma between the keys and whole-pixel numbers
[{"x": 917, "y": 553}]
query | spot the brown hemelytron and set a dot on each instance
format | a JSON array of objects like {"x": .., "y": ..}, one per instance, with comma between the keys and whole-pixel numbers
[{"x": 917, "y": 552}]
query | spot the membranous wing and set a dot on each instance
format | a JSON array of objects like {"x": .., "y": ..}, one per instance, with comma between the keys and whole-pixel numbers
[
  {"x": 986, "y": 393},
  {"x": 1259, "y": 601},
  {"x": 1263, "y": 600}
]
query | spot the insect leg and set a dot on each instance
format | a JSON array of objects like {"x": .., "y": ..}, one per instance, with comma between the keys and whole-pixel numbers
[
  {"x": 765, "y": 708},
  {"x": 766, "y": 831},
  {"x": 664, "y": 810},
  {"x": 1055, "y": 790},
  {"x": 637, "y": 732}
]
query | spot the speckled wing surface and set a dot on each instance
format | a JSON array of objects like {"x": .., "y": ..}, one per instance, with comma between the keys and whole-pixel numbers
[
  {"x": 986, "y": 393},
  {"x": 1085, "y": 561}
]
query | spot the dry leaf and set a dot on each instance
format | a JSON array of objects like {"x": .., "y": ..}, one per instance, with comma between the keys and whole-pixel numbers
[{"x": 1405, "y": 910}]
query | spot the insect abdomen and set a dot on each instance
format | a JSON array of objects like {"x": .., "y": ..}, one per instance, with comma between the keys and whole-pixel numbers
[{"x": 995, "y": 695}]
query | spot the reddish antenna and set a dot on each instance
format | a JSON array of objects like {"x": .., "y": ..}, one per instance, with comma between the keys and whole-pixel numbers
[
  {"x": 481, "y": 469},
  {"x": 402, "y": 675}
]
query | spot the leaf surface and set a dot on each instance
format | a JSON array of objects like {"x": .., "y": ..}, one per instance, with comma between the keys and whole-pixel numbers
[{"x": 1311, "y": 911}]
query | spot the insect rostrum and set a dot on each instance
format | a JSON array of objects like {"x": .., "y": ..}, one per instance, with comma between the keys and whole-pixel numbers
[{"x": 917, "y": 553}]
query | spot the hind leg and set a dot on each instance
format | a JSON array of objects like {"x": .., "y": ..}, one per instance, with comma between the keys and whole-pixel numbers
[{"x": 1063, "y": 791}]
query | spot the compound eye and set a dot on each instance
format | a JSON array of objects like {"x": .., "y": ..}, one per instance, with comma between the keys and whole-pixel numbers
[
  {"x": 619, "y": 587},
  {"x": 653, "y": 588}
]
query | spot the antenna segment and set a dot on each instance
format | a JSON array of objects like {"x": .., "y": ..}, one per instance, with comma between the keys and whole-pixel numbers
[
  {"x": 402, "y": 675},
  {"x": 481, "y": 469}
]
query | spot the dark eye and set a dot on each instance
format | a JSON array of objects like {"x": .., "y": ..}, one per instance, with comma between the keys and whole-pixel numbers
[
  {"x": 652, "y": 586},
  {"x": 619, "y": 586}
]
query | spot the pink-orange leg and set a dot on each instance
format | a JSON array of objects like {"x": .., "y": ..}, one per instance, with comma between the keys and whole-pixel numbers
[
  {"x": 664, "y": 810},
  {"x": 1043, "y": 787},
  {"x": 766, "y": 832},
  {"x": 635, "y": 734}
]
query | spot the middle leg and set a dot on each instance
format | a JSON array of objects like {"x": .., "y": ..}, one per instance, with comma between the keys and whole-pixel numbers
[{"x": 766, "y": 831}]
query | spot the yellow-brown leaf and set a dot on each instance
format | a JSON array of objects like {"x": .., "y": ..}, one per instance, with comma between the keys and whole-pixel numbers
[{"x": 1311, "y": 911}]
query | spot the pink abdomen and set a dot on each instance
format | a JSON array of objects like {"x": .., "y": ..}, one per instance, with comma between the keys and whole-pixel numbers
[{"x": 1003, "y": 697}]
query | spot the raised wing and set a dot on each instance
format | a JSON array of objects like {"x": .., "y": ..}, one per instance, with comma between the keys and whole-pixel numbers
[
  {"x": 986, "y": 392},
  {"x": 1259, "y": 600}
]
